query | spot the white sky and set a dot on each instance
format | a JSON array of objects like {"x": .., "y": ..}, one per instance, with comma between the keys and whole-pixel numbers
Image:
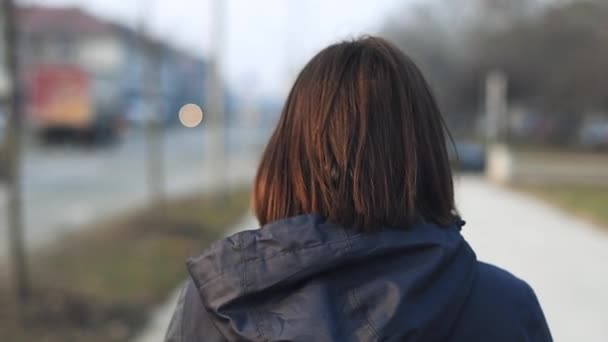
[{"x": 266, "y": 41}]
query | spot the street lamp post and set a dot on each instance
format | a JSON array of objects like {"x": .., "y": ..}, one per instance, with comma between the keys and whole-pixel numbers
[
  {"x": 215, "y": 95},
  {"x": 496, "y": 106},
  {"x": 151, "y": 59}
]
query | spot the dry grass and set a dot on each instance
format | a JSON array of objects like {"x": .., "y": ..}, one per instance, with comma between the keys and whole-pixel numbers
[
  {"x": 588, "y": 202},
  {"x": 100, "y": 284}
]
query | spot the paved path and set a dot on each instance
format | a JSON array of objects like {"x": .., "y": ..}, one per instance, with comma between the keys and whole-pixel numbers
[{"x": 563, "y": 258}]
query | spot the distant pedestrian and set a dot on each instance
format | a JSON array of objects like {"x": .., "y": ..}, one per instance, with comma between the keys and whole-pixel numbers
[{"x": 360, "y": 237}]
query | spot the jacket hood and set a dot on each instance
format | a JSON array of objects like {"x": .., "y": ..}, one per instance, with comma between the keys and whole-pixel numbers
[{"x": 305, "y": 279}]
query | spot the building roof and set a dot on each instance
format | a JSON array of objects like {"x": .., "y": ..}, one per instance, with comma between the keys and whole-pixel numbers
[{"x": 33, "y": 19}]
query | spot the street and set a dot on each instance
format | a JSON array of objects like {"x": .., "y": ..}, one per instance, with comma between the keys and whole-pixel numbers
[{"x": 66, "y": 187}]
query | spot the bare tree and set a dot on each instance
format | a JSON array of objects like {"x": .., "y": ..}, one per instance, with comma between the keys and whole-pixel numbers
[
  {"x": 554, "y": 55},
  {"x": 14, "y": 150}
]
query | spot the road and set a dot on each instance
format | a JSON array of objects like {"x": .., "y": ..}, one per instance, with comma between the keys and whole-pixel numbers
[{"x": 67, "y": 187}]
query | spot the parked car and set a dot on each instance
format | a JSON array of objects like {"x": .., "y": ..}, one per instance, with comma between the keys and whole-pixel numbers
[
  {"x": 594, "y": 134},
  {"x": 467, "y": 156}
]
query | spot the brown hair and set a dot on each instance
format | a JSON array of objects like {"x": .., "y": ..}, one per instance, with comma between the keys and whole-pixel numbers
[{"x": 360, "y": 142}]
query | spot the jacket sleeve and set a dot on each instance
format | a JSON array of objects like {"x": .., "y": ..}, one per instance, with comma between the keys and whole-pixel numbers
[{"x": 190, "y": 321}]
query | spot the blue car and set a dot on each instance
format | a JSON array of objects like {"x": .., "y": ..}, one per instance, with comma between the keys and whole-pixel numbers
[{"x": 467, "y": 156}]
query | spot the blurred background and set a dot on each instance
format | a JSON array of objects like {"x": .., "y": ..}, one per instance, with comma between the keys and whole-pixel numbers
[{"x": 130, "y": 133}]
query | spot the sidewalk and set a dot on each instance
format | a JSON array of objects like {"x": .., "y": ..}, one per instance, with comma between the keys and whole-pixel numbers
[{"x": 157, "y": 326}]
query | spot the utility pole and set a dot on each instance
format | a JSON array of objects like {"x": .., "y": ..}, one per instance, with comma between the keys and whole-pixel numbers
[
  {"x": 8, "y": 16},
  {"x": 496, "y": 106},
  {"x": 215, "y": 95},
  {"x": 297, "y": 14},
  {"x": 151, "y": 60}
]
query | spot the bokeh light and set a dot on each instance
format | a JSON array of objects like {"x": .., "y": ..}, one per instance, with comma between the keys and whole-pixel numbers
[{"x": 191, "y": 115}]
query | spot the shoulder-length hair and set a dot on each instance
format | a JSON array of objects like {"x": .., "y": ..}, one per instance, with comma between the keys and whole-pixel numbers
[{"x": 360, "y": 141}]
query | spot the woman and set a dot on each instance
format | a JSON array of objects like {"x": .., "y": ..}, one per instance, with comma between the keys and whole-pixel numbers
[{"x": 360, "y": 238}]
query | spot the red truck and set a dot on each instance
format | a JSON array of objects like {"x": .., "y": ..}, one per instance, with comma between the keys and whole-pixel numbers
[{"x": 64, "y": 102}]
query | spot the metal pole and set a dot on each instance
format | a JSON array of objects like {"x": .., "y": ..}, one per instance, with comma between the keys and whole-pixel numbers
[
  {"x": 496, "y": 106},
  {"x": 14, "y": 150},
  {"x": 215, "y": 95},
  {"x": 150, "y": 53},
  {"x": 295, "y": 24}
]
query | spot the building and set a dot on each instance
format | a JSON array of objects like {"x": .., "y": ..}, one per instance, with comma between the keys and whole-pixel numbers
[{"x": 127, "y": 72}]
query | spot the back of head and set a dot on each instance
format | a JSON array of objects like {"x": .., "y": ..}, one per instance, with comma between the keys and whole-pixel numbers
[{"x": 360, "y": 141}]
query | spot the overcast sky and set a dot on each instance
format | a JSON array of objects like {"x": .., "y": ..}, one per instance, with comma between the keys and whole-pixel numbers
[{"x": 266, "y": 41}]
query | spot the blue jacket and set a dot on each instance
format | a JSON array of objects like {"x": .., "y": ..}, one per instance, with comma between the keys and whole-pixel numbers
[{"x": 304, "y": 279}]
